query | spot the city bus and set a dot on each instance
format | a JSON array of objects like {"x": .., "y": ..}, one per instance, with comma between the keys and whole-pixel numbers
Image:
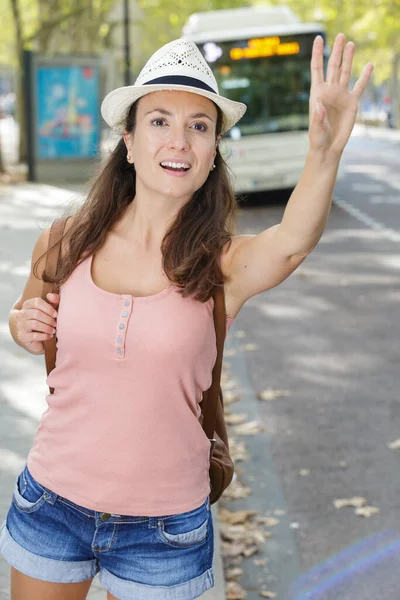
[{"x": 261, "y": 56}]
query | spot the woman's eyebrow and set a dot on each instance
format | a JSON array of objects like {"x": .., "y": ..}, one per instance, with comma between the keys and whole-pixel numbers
[{"x": 169, "y": 114}]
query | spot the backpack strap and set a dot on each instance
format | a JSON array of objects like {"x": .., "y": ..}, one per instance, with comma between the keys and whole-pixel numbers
[
  {"x": 52, "y": 261},
  {"x": 211, "y": 396}
]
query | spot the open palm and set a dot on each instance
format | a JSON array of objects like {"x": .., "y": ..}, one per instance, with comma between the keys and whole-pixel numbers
[{"x": 333, "y": 107}]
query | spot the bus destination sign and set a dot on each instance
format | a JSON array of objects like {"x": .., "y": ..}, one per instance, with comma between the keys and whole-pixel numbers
[{"x": 262, "y": 47}]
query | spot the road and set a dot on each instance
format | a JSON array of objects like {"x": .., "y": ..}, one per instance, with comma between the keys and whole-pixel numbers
[{"x": 329, "y": 336}]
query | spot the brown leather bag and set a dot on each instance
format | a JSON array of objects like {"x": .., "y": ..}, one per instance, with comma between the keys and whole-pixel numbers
[{"x": 212, "y": 408}]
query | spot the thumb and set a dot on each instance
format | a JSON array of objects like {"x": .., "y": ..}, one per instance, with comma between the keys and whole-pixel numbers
[{"x": 54, "y": 298}]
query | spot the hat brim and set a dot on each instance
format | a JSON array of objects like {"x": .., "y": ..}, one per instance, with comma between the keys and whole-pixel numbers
[{"x": 115, "y": 106}]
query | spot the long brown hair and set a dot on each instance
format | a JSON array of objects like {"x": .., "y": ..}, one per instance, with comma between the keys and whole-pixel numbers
[{"x": 191, "y": 248}]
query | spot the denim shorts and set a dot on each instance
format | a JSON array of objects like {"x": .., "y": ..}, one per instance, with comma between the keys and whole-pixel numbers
[{"x": 53, "y": 539}]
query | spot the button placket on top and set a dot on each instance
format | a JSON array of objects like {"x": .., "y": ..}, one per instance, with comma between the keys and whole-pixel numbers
[{"x": 122, "y": 325}]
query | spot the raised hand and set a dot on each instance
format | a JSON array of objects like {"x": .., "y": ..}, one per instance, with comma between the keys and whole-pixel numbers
[{"x": 333, "y": 107}]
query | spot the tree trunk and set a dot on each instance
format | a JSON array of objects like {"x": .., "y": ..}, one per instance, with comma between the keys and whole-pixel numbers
[
  {"x": 20, "y": 96},
  {"x": 396, "y": 91},
  {"x": 2, "y": 167}
]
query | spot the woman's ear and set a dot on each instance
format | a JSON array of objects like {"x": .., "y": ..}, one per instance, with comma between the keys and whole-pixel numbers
[{"x": 127, "y": 138}]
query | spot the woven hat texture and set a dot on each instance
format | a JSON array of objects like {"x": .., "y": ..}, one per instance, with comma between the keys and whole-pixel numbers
[{"x": 178, "y": 65}]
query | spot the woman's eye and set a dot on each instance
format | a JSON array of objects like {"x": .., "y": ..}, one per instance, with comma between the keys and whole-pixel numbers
[
  {"x": 200, "y": 126},
  {"x": 158, "y": 121}
]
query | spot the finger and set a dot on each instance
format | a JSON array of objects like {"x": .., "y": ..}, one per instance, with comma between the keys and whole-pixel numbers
[
  {"x": 317, "y": 61},
  {"x": 347, "y": 65},
  {"x": 40, "y": 304},
  {"x": 37, "y": 326},
  {"x": 362, "y": 81},
  {"x": 333, "y": 71}
]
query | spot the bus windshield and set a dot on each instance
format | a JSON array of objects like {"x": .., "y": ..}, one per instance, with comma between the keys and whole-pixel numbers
[{"x": 270, "y": 75}]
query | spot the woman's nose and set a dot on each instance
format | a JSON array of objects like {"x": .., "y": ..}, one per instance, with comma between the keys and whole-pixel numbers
[{"x": 179, "y": 139}]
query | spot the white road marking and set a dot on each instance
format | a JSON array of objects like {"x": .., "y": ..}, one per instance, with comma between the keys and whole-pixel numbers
[
  {"x": 361, "y": 216},
  {"x": 384, "y": 200},
  {"x": 367, "y": 188}
]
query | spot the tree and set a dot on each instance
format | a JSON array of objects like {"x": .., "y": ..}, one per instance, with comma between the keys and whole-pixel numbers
[{"x": 68, "y": 26}]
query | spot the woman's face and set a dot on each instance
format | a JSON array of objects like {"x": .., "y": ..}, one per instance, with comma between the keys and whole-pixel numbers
[{"x": 173, "y": 127}]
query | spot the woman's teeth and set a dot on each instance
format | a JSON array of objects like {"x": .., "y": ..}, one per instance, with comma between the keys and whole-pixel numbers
[{"x": 173, "y": 165}]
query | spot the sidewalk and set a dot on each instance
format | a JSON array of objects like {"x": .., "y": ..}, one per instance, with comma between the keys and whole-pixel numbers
[
  {"x": 379, "y": 133},
  {"x": 25, "y": 209}
]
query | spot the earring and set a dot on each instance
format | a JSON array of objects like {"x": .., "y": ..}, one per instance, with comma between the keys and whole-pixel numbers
[
  {"x": 128, "y": 158},
  {"x": 213, "y": 168}
]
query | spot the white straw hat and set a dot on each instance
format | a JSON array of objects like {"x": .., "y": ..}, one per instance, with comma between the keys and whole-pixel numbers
[{"x": 179, "y": 65}]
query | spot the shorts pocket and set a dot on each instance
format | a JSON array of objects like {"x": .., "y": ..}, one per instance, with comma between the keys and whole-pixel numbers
[
  {"x": 28, "y": 495},
  {"x": 185, "y": 530}
]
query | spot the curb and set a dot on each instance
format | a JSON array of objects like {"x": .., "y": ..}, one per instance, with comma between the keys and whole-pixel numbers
[{"x": 218, "y": 591}]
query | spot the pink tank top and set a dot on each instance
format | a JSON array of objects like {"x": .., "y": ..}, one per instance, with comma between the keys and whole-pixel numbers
[{"x": 121, "y": 432}]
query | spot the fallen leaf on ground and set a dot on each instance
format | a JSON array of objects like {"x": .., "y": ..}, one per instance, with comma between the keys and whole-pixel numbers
[
  {"x": 268, "y": 521},
  {"x": 250, "y": 550},
  {"x": 249, "y": 428},
  {"x": 260, "y": 562},
  {"x": 238, "y": 450},
  {"x": 240, "y": 334},
  {"x": 236, "y": 490},
  {"x": 357, "y": 501},
  {"x": 234, "y": 591},
  {"x": 304, "y": 472},
  {"x": 249, "y": 347},
  {"x": 270, "y": 394},
  {"x": 267, "y": 594},
  {"x": 366, "y": 511},
  {"x": 233, "y": 573},
  {"x": 230, "y": 384},
  {"x": 235, "y": 517},
  {"x": 279, "y": 512},
  {"x": 230, "y": 396},
  {"x": 235, "y": 418},
  {"x": 394, "y": 445},
  {"x": 231, "y": 352}
]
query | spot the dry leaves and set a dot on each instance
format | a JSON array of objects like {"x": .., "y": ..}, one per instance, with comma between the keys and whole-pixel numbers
[
  {"x": 236, "y": 490},
  {"x": 360, "y": 505},
  {"x": 304, "y": 472},
  {"x": 230, "y": 396},
  {"x": 228, "y": 384},
  {"x": 234, "y": 418},
  {"x": 394, "y": 445},
  {"x": 270, "y": 394},
  {"x": 239, "y": 334},
  {"x": 267, "y": 594},
  {"x": 249, "y": 428},
  {"x": 234, "y": 591},
  {"x": 249, "y": 347},
  {"x": 268, "y": 521},
  {"x": 366, "y": 511},
  {"x": 357, "y": 501}
]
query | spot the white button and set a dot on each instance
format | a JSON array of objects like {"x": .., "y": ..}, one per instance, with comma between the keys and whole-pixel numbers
[
  {"x": 121, "y": 326},
  {"x": 127, "y": 302},
  {"x": 124, "y": 314},
  {"x": 118, "y": 351}
]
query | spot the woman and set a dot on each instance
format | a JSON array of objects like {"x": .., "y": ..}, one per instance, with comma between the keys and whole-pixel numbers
[{"x": 116, "y": 481}]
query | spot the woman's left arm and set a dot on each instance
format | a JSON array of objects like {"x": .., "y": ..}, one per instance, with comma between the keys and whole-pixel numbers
[{"x": 257, "y": 263}]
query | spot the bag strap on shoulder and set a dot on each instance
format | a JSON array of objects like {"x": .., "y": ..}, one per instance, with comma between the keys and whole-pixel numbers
[
  {"x": 52, "y": 261},
  {"x": 211, "y": 396}
]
